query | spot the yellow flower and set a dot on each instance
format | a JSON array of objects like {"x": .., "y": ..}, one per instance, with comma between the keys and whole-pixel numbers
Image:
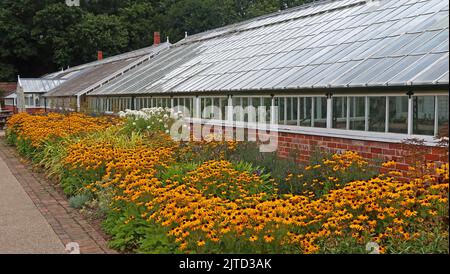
[
  {"x": 253, "y": 238},
  {"x": 268, "y": 238},
  {"x": 389, "y": 164}
]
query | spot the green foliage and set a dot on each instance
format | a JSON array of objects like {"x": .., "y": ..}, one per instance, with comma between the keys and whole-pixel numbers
[
  {"x": 131, "y": 233},
  {"x": 54, "y": 32},
  {"x": 71, "y": 185},
  {"x": 278, "y": 168},
  {"x": 101, "y": 32},
  {"x": 25, "y": 148},
  {"x": 177, "y": 172},
  {"x": 431, "y": 241},
  {"x": 11, "y": 137},
  {"x": 79, "y": 200},
  {"x": 51, "y": 157},
  {"x": 138, "y": 19},
  {"x": 248, "y": 167},
  {"x": 156, "y": 241}
]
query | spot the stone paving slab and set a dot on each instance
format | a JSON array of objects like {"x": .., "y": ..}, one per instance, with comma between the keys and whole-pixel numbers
[
  {"x": 23, "y": 229},
  {"x": 35, "y": 217}
]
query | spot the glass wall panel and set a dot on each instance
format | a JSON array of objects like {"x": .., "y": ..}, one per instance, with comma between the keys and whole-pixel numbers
[
  {"x": 223, "y": 107},
  {"x": 340, "y": 112},
  {"x": 292, "y": 111},
  {"x": 184, "y": 105},
  {"x": 398, "y": 114},
  {"x": 423, "y": 115},
  {"x": 443, "y": 115},
  {"x": 212, "y": 108},
  {"x": 245, "y": 103},
  {"x": 357, "y": 113},
  {"x": 267, "y": 103},
  {"x": 377, "y": 114},
  {"x": 305, "y": 105},
  {"x": 320, "y": 112},
  {"x": 280, "y": 102}
]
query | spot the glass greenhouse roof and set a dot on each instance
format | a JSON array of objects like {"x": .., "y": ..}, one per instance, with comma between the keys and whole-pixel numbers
[
  {"x": 39, "y": 85},
  {"x": 332, "y": 44},
  {"x": 85, "y": 77}
]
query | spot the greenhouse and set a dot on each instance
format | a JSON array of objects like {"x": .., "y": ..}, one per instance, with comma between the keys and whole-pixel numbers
[
  {"x": 316, "y": 129},
  {"x": 84, "y": 78},
  {"x": 367, "y": 69},
  {"x": 33, "y": 91}
]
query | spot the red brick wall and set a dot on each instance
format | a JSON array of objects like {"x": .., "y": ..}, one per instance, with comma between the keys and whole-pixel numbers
[
  {"x": 384, "y": 151},
  {"x": 302, "y": 145}
]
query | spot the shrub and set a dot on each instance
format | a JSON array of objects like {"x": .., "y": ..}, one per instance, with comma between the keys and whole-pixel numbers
[
  {"x": 149, "y": 120},
  {"x": 79, "y": 200}
]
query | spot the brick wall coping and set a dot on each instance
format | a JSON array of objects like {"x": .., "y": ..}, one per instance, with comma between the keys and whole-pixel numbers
[{"x": 325, "y": 132}]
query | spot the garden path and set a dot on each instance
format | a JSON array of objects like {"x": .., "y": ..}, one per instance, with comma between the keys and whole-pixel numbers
[{"x": 35, "y": 218}]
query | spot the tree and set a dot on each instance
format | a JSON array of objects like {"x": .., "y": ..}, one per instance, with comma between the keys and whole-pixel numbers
[
  {"x": 98, "y": 32},
  {"x": 110, "y": 7},
  {"x": 53, "y": 30},
  {"x": 139, "y": 20},
  {"x": 193, "y": 16}
]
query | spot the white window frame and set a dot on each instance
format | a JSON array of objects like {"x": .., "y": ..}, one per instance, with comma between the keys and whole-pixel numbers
[{"x": 347, "y": 133}]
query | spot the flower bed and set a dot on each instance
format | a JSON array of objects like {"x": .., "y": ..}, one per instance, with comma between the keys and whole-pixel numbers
[{"x": 160, "y": 196}]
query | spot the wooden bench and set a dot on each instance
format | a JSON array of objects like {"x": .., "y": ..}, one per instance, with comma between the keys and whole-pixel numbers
[{"x": 4, "y": 115}]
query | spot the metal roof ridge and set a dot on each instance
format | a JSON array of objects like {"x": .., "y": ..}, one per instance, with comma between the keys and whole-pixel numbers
[
  {"x": 140, "y": 59},
  {"x": 111, "y": 59}
]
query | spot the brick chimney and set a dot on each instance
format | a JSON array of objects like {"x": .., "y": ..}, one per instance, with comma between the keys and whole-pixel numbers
[
  {"x": 156, "y": 38},
  {"x": 100, "y": 55}
]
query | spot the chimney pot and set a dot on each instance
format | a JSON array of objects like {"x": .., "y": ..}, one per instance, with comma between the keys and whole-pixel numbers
[
  {"x": 157, "y": 38},
  {"x": 100, "y": 55}
]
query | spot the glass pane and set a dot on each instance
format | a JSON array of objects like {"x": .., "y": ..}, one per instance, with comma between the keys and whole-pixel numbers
[
  {"x": 398, "y": 114},
  {"x": 423, "y": 115},
  {"x": 305, "y": 111},
  {"x": 357, "y": 113},
  {"x": 377, "y": 69},
  {"x": 340, "y": 112},
  {"x": 189, "y": 105},
  {"x": 268, "y": 105},
  {"x": 223, "y": 108},
  {"x": 355, "y": 72},
  {"x": 443, "y": 116},
  {"x": 292, "y": 111},
  {"x": 387, "y": 74},
  {"x": 433, "y": 73},
  {"x": 377, "y": 114},
  {"x": 280, "y": 103},
  {"x": 320, "y": 112},
  {"x": 416, "y": 68},
  {"x": 207, "y": 112}
]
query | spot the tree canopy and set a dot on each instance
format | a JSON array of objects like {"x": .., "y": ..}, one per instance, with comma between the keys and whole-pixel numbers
[{"x": 42, "y": 36}]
